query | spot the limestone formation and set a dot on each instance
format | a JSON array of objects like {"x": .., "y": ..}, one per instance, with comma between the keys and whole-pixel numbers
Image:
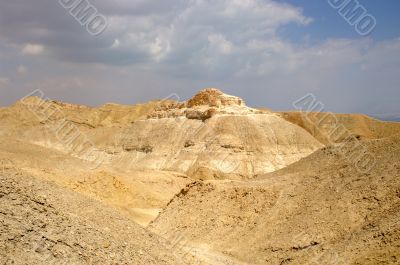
[
  {"x": 227, "y": 137},
  {"x": 204, "y": 181}
]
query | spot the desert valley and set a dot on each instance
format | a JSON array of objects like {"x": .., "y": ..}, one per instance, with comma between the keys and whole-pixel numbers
[{"x": 206, "y": 181}]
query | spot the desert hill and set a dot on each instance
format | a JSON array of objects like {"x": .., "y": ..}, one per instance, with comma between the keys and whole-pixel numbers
[
  {"x": 41, "y": 223},
  {"x": 214, "y": 135},
  {"x": 139, "y": 195},
  {"x": 362, "y": 127},
  {"x": 210, "y": 179},
  {"x": 319, "y": 210},
  {"x": 53, "y": 141},
  {"x": 29, "y": 110}
]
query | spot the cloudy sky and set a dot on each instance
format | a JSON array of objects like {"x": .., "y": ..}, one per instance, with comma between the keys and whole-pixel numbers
[{"x": 270, "y": 52}]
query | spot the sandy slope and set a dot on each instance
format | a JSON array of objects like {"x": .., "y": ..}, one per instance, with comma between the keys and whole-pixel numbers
[
  {"x": 139, "y": 195},
  {"x": 320, "y": 209},
  {"x": 41, "y": 223},
  {"x": 317, "y": 209}
]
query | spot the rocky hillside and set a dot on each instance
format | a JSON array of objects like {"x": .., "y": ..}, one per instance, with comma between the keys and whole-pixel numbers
[
  {"x": 204, "y": 181},
  {"x": 320, "y": 210},
  {"x": 138, "y": 195},
  {"x": 214, "y": 136},
  {"x": 41, "y": 223}
]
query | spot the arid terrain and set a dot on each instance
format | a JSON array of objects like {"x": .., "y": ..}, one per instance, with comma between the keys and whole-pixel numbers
[{"x": 207, "y": 181}]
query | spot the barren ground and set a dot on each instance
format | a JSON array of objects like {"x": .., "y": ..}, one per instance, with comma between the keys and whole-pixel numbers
[{"x": 208, "y": 181}]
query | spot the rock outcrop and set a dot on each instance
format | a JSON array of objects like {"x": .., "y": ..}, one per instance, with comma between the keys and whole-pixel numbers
[
  {"x": 203, "y": 106},
  {"x": 212, "y": 97},
  {"x": 215, "y": 133}
]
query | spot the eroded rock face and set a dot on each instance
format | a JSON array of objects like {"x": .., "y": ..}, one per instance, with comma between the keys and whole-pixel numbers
[
  {"x": 227, "y": 138},
  {"x": 213, "y": 97},
  {"x": 200, "y": 115},
  {"x": 203, "y": 106}
]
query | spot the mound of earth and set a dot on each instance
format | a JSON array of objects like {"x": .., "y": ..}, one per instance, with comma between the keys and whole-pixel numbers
[
  {"x": 41, "y": 223},
  {"x": 214, "y": 136},
  {"x": 320, "y": 210}
]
